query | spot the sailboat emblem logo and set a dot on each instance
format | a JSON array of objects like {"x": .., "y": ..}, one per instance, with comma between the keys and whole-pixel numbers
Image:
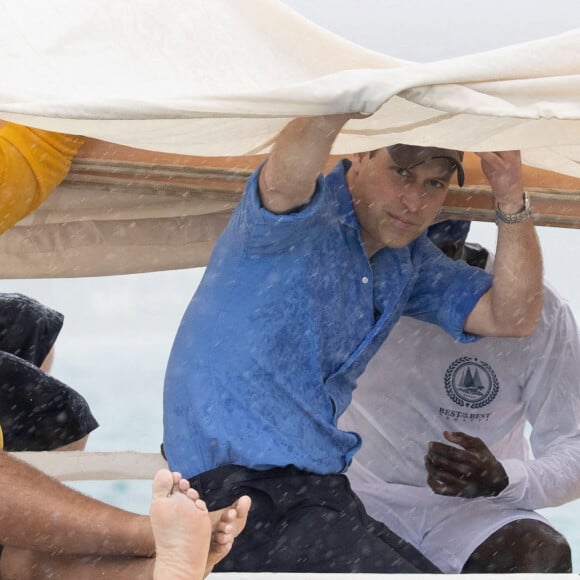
[{"x": 471, "y": 383}]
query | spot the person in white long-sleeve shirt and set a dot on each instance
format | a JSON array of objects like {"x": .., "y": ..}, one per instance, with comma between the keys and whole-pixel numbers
[{"x": 445, "y": 462}]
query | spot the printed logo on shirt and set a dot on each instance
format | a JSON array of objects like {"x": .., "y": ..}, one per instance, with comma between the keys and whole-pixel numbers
[{"x": 471, "y": 383}]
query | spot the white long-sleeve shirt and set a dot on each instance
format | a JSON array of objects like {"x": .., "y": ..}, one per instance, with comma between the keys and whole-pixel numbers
[{"x": 422, "y": 383}]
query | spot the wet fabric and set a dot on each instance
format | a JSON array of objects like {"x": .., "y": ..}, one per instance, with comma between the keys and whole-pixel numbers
[
  {"x": 37, "y": 411},
  {"x": 448, "y": 231},
  {"x": 449, "y": 236},
  {"x": 421, "y": 383},
  {"x": 28, "y": 329},
  {"x": 446, "y": 530},
  {"x": 303, "y": 522},
  {"x": 32, "y": 164},
  {"x": 223, "y": 78},
  {"x": 289, "y": 312}
]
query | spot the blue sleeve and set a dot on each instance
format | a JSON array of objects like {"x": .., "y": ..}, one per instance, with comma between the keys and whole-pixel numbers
[
  {"x": 446, "y": 291},
  {"x": 264, "y": 231}
]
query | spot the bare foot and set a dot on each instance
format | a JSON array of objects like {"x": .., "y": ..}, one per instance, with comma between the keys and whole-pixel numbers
[
  {"x": 181, "y": 527},
  {"x": 228, "y": 523}
]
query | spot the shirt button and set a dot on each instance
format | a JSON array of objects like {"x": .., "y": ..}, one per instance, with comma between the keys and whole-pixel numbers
[{"x": 365, "y": 280}]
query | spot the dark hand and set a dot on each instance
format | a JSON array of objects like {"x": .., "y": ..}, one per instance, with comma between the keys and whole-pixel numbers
[{"x": 469, "y": 472}]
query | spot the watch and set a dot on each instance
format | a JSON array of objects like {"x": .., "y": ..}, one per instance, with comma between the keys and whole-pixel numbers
[{"x": 514, "y": 218}]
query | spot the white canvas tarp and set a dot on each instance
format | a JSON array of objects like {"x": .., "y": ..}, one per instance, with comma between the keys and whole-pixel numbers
[{"x": 221, "y": 78}]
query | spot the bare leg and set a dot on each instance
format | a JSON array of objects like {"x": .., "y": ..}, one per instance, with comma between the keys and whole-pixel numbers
[
  {"x": 521, "y": 546},
  {"x": 40, "y": 513},
  {"x": 181, "y": 527},
  {"x": 17, "y": 564},
  {"x": 63, "y": 534}
]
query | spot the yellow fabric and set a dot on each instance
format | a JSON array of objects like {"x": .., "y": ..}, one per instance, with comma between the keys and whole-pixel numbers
[
  {"x": 32, "y": 164},
  {"x": 1, "y": 438}
]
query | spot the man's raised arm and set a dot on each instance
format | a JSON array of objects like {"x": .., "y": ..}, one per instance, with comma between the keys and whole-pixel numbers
[
  {"x": 513, "y": 305},
  {"x": 299, "y": 155}
]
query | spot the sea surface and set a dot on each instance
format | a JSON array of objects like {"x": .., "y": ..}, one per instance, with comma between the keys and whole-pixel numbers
[{"x": 116, "y": 340}]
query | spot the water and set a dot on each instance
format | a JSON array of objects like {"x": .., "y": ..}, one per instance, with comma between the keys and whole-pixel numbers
[{"x": 117, "y": 336}]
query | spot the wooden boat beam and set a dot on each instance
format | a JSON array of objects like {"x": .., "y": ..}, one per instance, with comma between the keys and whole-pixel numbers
[
  {"x": 207, "y": 179},
  {"x": 124, "y": 211}
]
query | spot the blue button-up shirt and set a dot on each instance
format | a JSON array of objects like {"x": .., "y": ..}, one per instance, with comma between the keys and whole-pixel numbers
[{"x": 288, "y": 314}]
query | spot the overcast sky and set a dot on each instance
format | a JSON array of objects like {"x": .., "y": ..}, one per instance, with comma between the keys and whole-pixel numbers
[{"x": 426, "y": 30}]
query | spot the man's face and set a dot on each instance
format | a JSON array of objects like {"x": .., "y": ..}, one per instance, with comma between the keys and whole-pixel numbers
[{"x": 394, "y": 205}]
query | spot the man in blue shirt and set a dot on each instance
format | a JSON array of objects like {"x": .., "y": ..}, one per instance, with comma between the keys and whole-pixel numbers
[{"x": 303, "y": 286}]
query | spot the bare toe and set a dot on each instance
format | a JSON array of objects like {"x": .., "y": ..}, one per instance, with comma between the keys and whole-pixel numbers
[{"x": 182, "y": 530}]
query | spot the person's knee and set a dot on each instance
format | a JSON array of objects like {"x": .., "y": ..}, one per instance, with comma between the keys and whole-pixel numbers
[
  {"x": 545, "y": 549},
  {"x": 558, "y": 554},
  {"x": 522, "y": 546}
]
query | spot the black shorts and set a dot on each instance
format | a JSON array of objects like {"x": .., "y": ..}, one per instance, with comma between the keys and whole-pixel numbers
[
  {"x": 304, "y": 522},
  {"x": 38, "y": 412}
]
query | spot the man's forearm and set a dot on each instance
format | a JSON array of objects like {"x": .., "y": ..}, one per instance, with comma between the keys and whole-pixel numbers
[
  {"x": 516, "y": 298},
  {"x": 40, "y": 513},
  {"x": 513, "y": 305},
  {"x": 298, "y": 157}
]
